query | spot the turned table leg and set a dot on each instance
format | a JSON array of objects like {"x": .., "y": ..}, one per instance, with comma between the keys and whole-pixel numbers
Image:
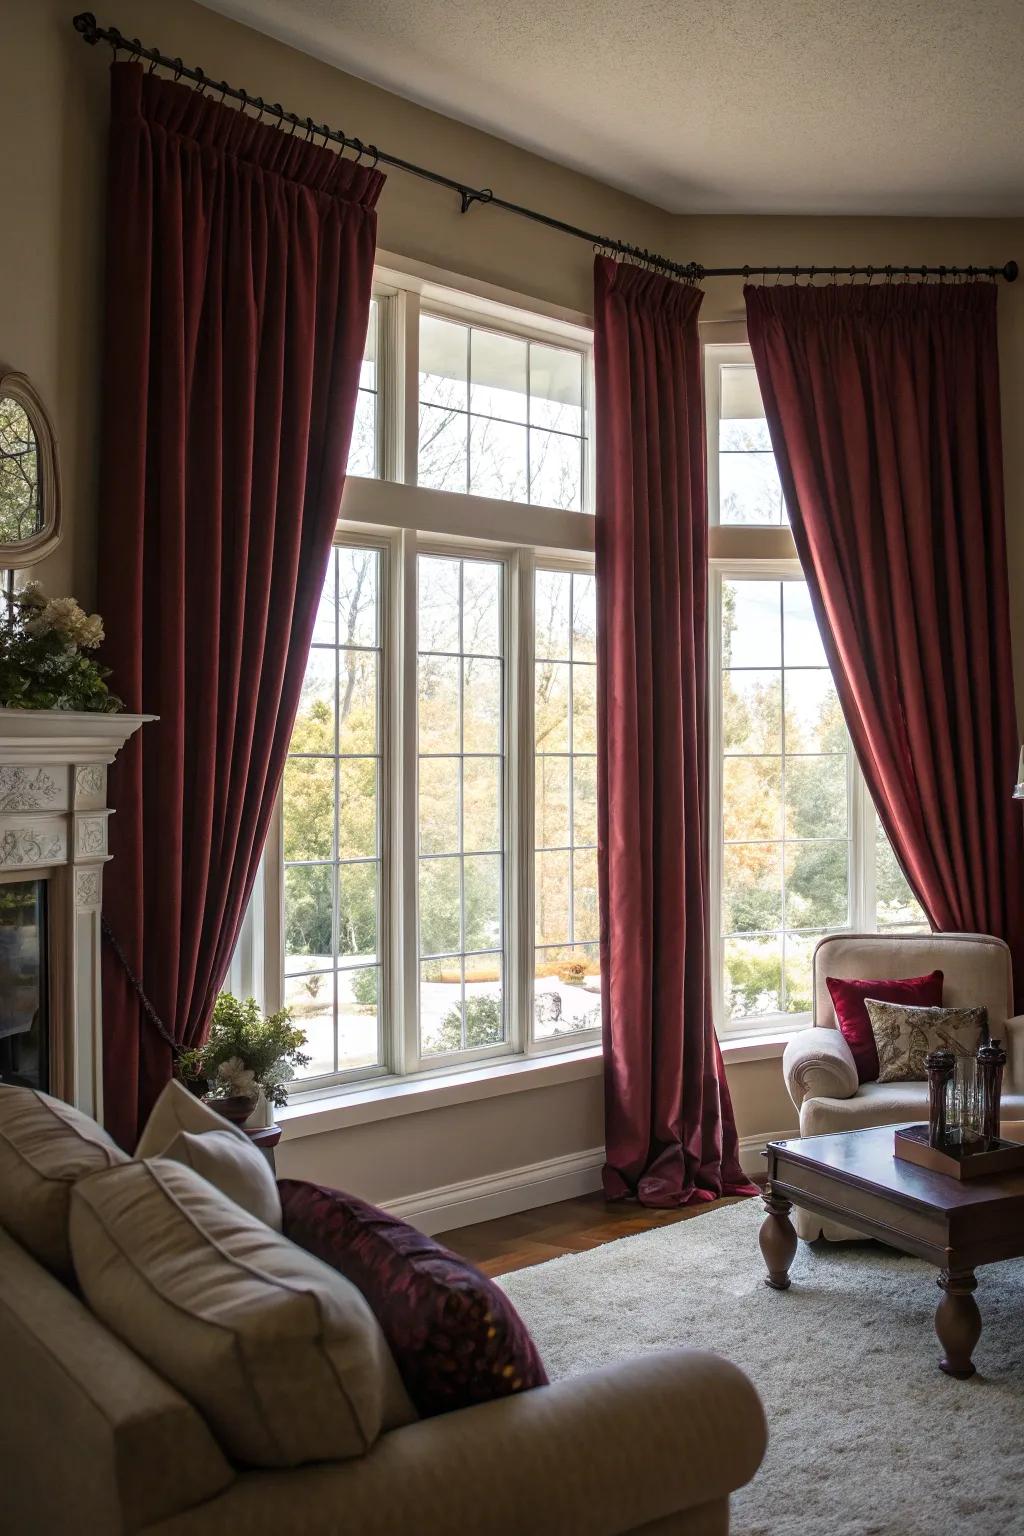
[
  {"x": 778, "y": 1240},
  {"x": 957, "y": 1322}
]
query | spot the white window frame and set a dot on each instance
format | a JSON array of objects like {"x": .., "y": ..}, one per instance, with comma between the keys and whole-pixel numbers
[
  {"x": 404, "y": 520},
  {"x": 760, "y": 552}
]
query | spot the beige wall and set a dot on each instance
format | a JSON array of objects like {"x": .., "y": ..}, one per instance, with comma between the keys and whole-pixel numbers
[{"x": 53, "y": 122}]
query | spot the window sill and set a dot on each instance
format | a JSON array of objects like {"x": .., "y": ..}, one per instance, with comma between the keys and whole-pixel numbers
[
  {"x": 767, "y": 1046},
  {"x": 387, "y": 1098}
]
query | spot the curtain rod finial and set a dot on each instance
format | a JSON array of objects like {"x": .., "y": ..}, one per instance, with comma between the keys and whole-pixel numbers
[
  {"x": 1011, "y": 271},
  {"x": 85, "y": 24}
]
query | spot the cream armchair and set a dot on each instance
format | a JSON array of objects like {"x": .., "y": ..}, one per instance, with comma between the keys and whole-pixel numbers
[{"x": 818, "y": 1066}]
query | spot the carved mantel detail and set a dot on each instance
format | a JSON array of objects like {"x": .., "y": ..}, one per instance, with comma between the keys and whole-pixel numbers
[{"x": 53, "y": 826}]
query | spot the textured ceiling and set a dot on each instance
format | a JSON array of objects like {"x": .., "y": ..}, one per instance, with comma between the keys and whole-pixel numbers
[{"x": 726, "y": 106}]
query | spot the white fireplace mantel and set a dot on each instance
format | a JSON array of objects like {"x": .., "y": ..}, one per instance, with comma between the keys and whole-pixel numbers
[{"x": 53, "y": 826}]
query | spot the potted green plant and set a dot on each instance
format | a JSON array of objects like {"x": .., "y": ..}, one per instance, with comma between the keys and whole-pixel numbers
[{"x": 247, "y": 1061}]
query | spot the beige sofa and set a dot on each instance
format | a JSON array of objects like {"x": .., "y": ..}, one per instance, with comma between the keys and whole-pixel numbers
[
  {"x": 94, "y": 1441},
  {"x": 818, "y": 1066}
]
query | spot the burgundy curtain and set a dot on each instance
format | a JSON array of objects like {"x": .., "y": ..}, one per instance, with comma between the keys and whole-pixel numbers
[
  {"x": 883, "y": 407},
  {"x": 670, "y": 1134},
  {"x": 239, "y": 271}
]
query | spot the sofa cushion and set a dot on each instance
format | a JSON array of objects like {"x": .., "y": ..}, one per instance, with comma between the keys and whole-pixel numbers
[
  {"x": 456, "y": 1338},
  {"x": 45, "y": 1147},
  {"x": 882, "y": 1104},
  {"x": 234, "y": 1166},
  {"x": 848, "y": 998},
  {"x": 282, "y": 1356},
  {"x": 179, "y": 1110},
  {"x": 905, "y": 1036}
]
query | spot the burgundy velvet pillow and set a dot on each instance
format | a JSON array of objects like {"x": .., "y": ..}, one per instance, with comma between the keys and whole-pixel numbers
[
  {"x": 456, "y": 1338},
  {"x": 852, "y": 1016}
]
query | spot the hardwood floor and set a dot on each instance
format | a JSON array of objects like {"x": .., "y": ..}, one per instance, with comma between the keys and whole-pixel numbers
[{"x": 570, "y": 1226}]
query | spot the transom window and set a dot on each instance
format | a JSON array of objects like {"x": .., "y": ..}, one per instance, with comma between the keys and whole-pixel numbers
[
  {"x": 797, "y": 851},
  {"x": 413, "y": 919}
]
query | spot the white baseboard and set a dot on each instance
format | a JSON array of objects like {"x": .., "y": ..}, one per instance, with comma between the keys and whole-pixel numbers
[
  {"x": 534, "y": 1184},
  {"x": 501, "y": 1194},
  {"x": 751, "y": 1147}
]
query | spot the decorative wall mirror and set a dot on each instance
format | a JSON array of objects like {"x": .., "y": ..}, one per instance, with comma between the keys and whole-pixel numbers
[{"x": 30, "y": 519}]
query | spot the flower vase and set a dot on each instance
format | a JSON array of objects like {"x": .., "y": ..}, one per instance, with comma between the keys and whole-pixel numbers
[{"x": 262, "y": 1117}]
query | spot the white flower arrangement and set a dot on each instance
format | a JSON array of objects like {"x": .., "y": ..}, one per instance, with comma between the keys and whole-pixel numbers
[{"x": 60, "y": 615}]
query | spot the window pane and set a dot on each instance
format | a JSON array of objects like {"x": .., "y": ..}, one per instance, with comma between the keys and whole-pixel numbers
[
  {"x": 803, "y": 647},
  {"x": 481, "y": 603},
  {"x": 751, "y": 798},
  {"x": 585, "y": 920},
  {"x": 482, "y": 897},
  {"x": 551, "y": 898},
  {"x": 752, "y": 888},
  {"x": 442, "y": 462},
  {"x": 497, "y": 459},
  {"x": 752, "y": 975},
  {"x": 481, "y": 705},
  {"x": 566, "y": 991},
  {"x": 358, "y": 1017},
  {"x": 330, "y": 814},
  {"x": 362, "y": 452},
  {"x": 584, "y": 801},
  {"x": 584, "y": 708},
  {"x": 357, "y": 808},
  {"x": 551, "y": 787},
  {"x": 556, "y": 388},
  {"x": 439, "y": 804},
  {"x": 551, "y": 707},
  {"x": 358, "y": 700},
  {"x": 357, "y": 596},
  {"x": 443, "y": 363},
  {"x": 556, "y": 470},
  {"x": 308, "y": 923},
  {"x": 461, "y": 815},
  {"x": 438, "y": 704},
  {"x": 309, "y": 808},
  {"x": 552, "y": 616},
  {"x": 797, "y": 968},
  {"x": 584, "y": 617},
  {"x": 814, "y": 721},
  {"x": 498, "y": 376},
  {"x": 896, "y": 906},
  {"x": 817, "y": 802},
  {"x": 749, "y": 488},
  {"x": 817, "y": 885},
  {"x": 481, "y": 804},
  {"x": 751, "y": 713},
  {"x": 751, "y": 624}
]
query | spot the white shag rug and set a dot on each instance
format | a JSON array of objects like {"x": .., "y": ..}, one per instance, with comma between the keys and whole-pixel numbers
[{"x": 867, "y": 1437}]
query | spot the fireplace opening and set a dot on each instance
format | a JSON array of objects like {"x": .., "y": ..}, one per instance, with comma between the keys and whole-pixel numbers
[{"x": 24, "y": 1026}]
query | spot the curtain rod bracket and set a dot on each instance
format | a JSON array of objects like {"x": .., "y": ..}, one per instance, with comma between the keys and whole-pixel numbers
[{"x": 468, "y": 196}]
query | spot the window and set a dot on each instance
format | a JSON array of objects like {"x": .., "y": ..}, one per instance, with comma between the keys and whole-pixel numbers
[
  {"x": 500, "y": 415},
  {"x": 797, "y": 851},
  {"x": 429, "y": 890}
]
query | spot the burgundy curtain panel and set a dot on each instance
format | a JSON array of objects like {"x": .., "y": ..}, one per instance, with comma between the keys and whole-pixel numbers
[
  {"x": 883, "y": 407},
  {"x": 239, "y": 269},
  {"x": 670, "y": 1134}
]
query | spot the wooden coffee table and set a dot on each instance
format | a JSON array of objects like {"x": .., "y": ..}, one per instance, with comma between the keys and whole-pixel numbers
[{"x": 855, "y": 1178}]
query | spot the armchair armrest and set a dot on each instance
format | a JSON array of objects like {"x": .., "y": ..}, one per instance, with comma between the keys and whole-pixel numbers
[
  {"x": 609, "y": 1452},
  {"x": 818, "y": 1064},
  {"x": 1014, "y": 1041}
]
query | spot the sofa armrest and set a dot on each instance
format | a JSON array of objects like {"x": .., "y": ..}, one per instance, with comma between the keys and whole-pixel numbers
[
  {"x": 1013, "y": 1039},
  {"x": 595, "y": 1455},
  {"x": 818, "y": 1064}
]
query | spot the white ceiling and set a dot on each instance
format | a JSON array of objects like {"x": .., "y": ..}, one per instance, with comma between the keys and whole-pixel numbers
[{"x": 723, "y": 106}]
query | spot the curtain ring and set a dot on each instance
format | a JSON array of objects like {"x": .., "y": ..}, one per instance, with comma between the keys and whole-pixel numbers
[
  {"x": 259, "y": 103},
  {"x": 152, "y": 66},
  {"x": 375, "y": 152},
  {"x": 178, "y": 69},
  {"x": 278, "y": 110},
  {"x": 310, "y": 125},
  {"x": 294, "y": 124},
  {"x": 201, "y": 83}
]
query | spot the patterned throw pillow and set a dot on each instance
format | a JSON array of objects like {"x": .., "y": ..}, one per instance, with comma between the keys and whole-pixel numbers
[
  {"x": 456, "y": 1338},
  {"x": 904, "y": 1036}
]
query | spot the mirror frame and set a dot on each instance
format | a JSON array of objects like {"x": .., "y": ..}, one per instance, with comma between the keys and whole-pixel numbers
[{"x": 15, "y": 386}]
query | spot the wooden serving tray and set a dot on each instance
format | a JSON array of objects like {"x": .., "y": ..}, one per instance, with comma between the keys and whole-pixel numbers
[{"x": 912, "y": 1146}]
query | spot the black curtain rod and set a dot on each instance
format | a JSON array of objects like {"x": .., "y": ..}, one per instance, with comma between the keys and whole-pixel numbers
[{"x": 692, "y": 272}]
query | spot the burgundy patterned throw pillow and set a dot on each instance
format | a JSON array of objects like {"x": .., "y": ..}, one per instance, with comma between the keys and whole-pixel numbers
[{"x": 456, "y": 1338}]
